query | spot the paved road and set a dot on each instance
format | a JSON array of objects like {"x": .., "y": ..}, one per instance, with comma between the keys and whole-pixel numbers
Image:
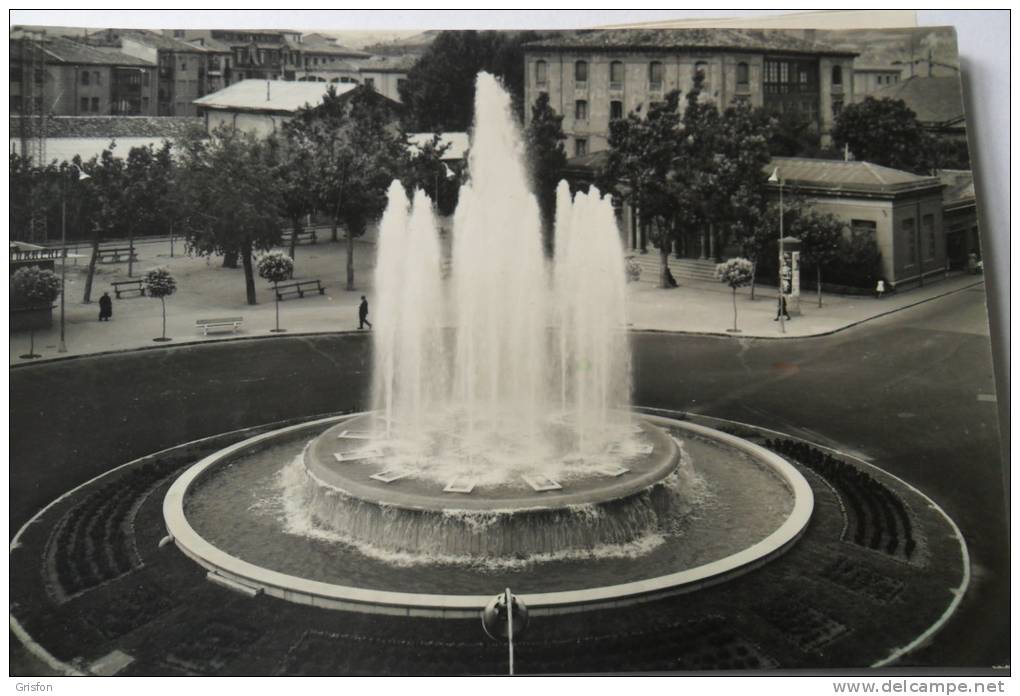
[{"x": 909, "y": 391}]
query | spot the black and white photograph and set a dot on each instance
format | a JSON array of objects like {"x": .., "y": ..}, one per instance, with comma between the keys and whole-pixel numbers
[{"x": 338, "y": 350}]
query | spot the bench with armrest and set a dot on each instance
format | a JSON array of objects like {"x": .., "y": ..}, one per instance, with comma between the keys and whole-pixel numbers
[
  {"x": 207, "y": 325},
  {"x": 116, "y": 254},
  {"x": 120, "y": 286},
  {"x": 299, "y": 288}
]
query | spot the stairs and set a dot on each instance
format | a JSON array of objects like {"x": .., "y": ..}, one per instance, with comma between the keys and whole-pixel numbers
[{"x": 684, "y": 270}]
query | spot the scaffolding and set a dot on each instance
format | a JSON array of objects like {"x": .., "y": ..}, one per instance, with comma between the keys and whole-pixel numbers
[{"x": 32, "y": 120}]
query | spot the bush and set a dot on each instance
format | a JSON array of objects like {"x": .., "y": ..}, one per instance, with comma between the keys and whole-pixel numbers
[
  {"x": 275, "y": 266},
  {"x": 34, "y": 287},
  {"x": 159, "y": 283}
]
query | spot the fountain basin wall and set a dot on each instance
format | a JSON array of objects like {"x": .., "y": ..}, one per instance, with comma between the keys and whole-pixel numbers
[{"x": 366, "y": 599}]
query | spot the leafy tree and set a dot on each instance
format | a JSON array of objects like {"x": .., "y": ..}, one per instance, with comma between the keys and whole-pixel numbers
[
  {"x": 883, "y": 131},
  {"x": 439, "y": 92},
  {"x": 103, "y": 202},
  {"x": 736, "y": 273},
  {"x": 821, "y": 236},
  {"x": 232, "y": 201},
  {"x": 146, "y": 200},
  {"x": 275, "y": 267},
  {"x": 160, "y": 284},
  {"x": 547, "y": 158},
  {"x": 357, "y": 152},
  {"x": 33, "y": 287},
  {"x": 294, "y": 171},
  {"x": 426, "y": 170},
  {"x": 793, "y": 135}
]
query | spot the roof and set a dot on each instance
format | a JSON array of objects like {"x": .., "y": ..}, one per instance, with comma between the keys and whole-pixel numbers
[
  {"x": 935, "y": 100},
  {"x": 860, "y": 67},
  {"x": 107, "y": 127},
  {"x": 848, "y": 177},
  {"x": 154, "y": 39},
  {"x": 661, "y": 40},
  {"x": 61, "y": 50},
  {"x": 388, "y": 64},
  {"x": 287, "y": 97},
  {"x": 65, "y": 149},
  {"x": 211, "y": 44},
  {"x": 315, "y": 43},
  {"x": 458, "y": 142},
  {"x": 959, "y": 189}
]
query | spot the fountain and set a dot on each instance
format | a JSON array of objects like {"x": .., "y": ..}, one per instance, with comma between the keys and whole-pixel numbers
[{"x": 500, "y": 434}]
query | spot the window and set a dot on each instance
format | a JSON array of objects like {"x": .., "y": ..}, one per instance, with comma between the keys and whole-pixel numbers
[
  {"x": 615, "y": 110},
  {"x": 863, "y": 230},
  {"x": 837, "y": 107},
  {"x": 928, "y": 226},
  {"x": 743, "y": 76},
  {"x": 184, "y": 65},
  {"x": 541, "y": 73},
  {"x": 85, "y": 77},
  {"x": 907, "y": 226},
  {"x": 837, "y": 75},
  {"x": 145, "y": 78},
  {"x": 580, "y": 147},
  {"x": 15, "y": 102},
  {"x": 15, "y": 73},
  {"x": 95, "y": 104},
  {"x": 581, "y": 110},
  {"x": 145, "y": 104},
  {"x": 370, "y": 82},
  {"x": 616, "y": 75},
  {"x": 84, "y": 104},
  {"x": 581, "y": 72},
  {"x": 39, "y": 74},
  {"x": 95, "y": 78},
  {"x": 655, "y": 75},
  {"x": 400, "y": 84}
]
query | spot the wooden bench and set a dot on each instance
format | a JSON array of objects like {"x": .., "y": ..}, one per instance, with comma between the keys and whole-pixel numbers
[
  {"x": 299, "y": 288},
  {"x": 232, "y": 323},
  {"x": 305, "y": 237},
  {"x": 120, "y": 286},
  {"x": 116, "y": 254}
]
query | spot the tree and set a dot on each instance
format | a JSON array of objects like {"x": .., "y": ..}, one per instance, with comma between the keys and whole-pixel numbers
[
  {"x": 274, "y": 267},
  {"x": 439, "y": 92},
  {"x": 145, "y": 205},
  {"x": 294, "y": 171},
  {"x": 102, "y": 202},
  {"x": 357, "y": 153},
  {"x": 230, "y": 199},
  {"x": 736, "y": 273},
  {"x": 882, "y": 131},
  {"x": 426, "y": 170},
  {"x": 160, "y": 284},
  {"x": 547, "y": 158},
  {"x": 821, "y": 236},
  {"x": 31, "y": 288},
  {"x": 793, "y": 135}
]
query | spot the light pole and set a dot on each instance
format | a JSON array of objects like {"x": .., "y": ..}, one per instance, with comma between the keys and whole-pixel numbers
[
  {"x": 776, "y": 179},
  {"x": 82, "y": 176}
]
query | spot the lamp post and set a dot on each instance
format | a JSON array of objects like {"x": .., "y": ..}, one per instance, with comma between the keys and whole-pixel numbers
[
  {"x": 82, "y": 176},
  {"x": 775, "y": 179}
]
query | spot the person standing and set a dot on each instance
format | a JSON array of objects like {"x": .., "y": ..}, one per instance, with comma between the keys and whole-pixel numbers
[
  {"x": 105, "y": 307},
  {"x": 363, "y": 314}
]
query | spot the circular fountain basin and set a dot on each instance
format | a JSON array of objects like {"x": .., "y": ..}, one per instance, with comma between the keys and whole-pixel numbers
[
  {"x": 350, "y": 490},
  {"x": 221, "y": 512}
]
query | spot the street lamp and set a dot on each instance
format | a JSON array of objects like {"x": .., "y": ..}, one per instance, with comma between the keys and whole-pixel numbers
[
  {"x": 82, "y": 176},
  {"x": 775, "y": 179}
]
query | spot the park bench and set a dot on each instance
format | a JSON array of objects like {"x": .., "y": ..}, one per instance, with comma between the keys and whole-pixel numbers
[
  {"x": 299, "y": 288},
  {"x": 305, "y": 237},
  {"x": 116, "y": 254},
  {"x": 120, "y": 286},
  {"x": 232, "y": 323}
]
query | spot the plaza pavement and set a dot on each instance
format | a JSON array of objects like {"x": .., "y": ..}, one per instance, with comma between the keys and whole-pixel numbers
[{"x": 206, "y": 290}]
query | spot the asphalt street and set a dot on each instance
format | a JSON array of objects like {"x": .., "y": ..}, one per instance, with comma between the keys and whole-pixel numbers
[{"x": 912, "y": 392}]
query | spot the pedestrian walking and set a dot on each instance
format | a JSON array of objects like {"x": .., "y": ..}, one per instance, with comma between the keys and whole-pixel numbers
[
  {"x": 105, "y": 307},
  {"x": 363, "y": 314},
  {"x": 880, "y": 289},
  {"x": 781, "y": 309}
]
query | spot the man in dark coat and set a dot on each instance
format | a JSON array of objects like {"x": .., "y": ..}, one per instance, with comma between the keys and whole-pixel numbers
[
  {"x": 363, "y": 314},
  {"x": 105, "y": 307}
]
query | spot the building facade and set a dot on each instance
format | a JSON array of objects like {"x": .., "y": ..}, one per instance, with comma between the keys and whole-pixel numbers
[
  {"x": 594, "y": 77},
  {"x": 57, "y": 76},
  {"x": 868, "y": 79}
]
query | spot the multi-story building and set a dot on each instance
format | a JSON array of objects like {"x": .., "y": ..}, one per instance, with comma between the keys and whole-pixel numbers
[
  {"x": 58, "y": 76},
  {"x": 182, "y": 68},
  {"x": 594, "y": 77},
  {"x": 871, "y": 78},
  {"x": 386, "y": 74}
]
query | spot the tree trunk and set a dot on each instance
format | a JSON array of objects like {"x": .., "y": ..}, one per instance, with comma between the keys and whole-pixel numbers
[
  {"x": 276, "y": 293},
  {"x": 350, "y": 256},
  {"x": 92, "y": 270},
  {"x": 333, "y": 231},
  {"x": 162, "y": 302},
  {"x": 295, "y": 231},
  {"x": 818, "y": 270},
  {"x": 754, "y": 275},
  {"x": 664, "y": 268},
  {"x": 249, "y": 273},
  {"x": 230, "y": 259},
  {"x": 131, "y": 253},
  {"x": 734, "y": 310}
]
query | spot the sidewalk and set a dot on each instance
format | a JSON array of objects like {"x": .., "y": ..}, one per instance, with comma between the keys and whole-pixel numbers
[{"x": 206, "y": 290}]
